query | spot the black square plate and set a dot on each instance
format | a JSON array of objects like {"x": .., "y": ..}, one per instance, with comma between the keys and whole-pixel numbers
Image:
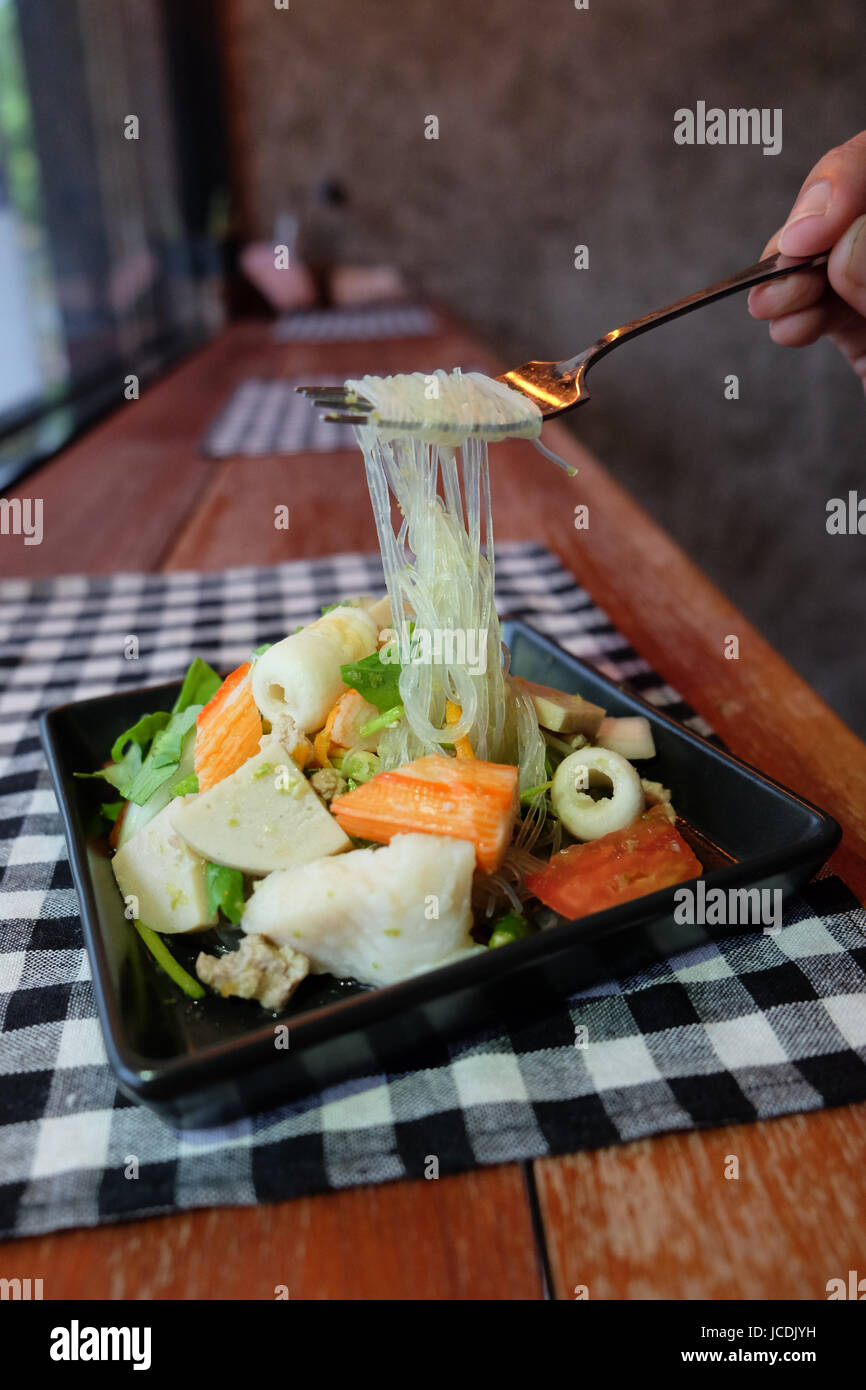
[{"x": 198, "y": 1063}]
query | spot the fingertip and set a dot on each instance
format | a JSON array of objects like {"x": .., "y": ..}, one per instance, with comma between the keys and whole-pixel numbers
[
  {"x": 800, "y": 329},
  {"x": 805, "y": 237},
  {"x": 753, "y": 304},
  {"x": 787, "y": 294}
]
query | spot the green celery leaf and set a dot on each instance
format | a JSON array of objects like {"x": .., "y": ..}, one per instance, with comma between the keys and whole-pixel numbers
[
  {"x": 142, "y": 733},
  {"x": 200, "y": 684},
  {"x": 112, "y": 809},
  {"x": 163, "y": 759},
  {"x": 225, "y": 889},
  {"x": 120, "y": 775},
  {"x": 168, "y": 743},
  {"x": 185, "y": 786}
]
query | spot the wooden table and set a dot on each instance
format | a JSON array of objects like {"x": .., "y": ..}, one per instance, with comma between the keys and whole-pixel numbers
[{"x": 654, "y": 1219}]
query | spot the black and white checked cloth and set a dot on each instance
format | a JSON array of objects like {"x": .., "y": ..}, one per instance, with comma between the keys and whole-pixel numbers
[
  {"x": 752, "y": 1026},
  {"x": 351, "y": 324},
  {"x": 267, "y": 416}
]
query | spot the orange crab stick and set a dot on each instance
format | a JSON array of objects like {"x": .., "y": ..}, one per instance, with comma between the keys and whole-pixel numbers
[
  {"x": 462, "y": 798},
  {"x": 227, "y": 730}
]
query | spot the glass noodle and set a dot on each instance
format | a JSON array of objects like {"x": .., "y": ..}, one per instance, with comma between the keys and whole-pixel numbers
[{"x": 439, "y": 569}]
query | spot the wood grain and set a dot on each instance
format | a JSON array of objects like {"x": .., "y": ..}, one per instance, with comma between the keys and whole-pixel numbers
[
  {"x": 467, "y": 1237},
  {"x": 659, "y": 1219},
  {"x": 654, "y": 1219}
]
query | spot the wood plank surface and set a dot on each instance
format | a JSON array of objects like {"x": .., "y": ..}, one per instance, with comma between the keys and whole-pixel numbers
[
  {"x": 654, "y": 1219},
  {"x": 659, "y": 1218},
  {"x": 467, "y": 1237}
]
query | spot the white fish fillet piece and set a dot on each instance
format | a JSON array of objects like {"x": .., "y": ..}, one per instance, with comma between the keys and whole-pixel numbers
[{"x": 376, "y": 916}]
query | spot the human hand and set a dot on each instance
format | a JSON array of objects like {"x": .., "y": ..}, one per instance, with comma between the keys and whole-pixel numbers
[{"x": 829, "y": 215}]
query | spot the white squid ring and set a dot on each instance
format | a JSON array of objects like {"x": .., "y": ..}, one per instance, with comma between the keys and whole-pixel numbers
[{"x": 583, "y": 817}]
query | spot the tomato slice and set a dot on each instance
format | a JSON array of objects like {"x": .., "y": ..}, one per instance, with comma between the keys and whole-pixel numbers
[{"x": 645, "y": 856}]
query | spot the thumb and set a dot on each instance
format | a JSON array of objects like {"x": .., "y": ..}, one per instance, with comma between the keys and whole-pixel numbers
[{"x": 846, "y": 269}]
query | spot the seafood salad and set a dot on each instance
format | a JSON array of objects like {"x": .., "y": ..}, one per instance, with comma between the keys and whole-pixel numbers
[{"x": 375, "y": 794}]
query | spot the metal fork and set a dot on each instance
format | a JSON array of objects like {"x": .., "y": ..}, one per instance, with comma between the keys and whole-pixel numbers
[{"x": 559, "y": 386}]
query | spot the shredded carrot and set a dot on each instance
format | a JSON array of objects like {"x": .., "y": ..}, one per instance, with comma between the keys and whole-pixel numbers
[
  {"x": 322, "y": 741},
  {"x": 301, "y": 754},
  {"x": 462, "y": 746}
]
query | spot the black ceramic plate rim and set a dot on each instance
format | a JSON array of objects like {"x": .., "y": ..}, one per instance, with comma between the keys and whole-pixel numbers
[{"x": 152, "y": 1078}]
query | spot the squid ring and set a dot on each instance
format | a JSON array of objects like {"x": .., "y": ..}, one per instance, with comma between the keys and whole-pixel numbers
[{"x": 585, "y": 818}]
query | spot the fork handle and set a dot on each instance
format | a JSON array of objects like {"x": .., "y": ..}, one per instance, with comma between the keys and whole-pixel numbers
[{"x": 767, "y": 269}]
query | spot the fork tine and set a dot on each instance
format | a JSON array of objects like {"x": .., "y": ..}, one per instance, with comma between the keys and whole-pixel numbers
[
  {"x": 346, "y": 407},
  {"x": 338, "y": 398},
  {"x": 338, "y": 391}
]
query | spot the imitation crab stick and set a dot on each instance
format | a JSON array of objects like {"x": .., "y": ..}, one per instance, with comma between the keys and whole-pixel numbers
[
  {"x": 228, "y": 730},
  {"x": 462, "y": 798}
]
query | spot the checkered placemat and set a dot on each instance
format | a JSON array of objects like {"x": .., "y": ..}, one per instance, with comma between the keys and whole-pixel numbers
[
  {"x": 269, "y": 417},
  {"x": 749, "y": 1027},
  {"x": 343, "y": 325}
]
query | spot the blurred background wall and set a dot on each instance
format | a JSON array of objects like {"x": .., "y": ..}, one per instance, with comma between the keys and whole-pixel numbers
[{"x": 555, "y": 130}]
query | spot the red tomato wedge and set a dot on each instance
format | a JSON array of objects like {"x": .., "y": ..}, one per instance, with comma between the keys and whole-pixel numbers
[
  {"x": 645, "y": 856},
  {"x": 462, "y": 798}
]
